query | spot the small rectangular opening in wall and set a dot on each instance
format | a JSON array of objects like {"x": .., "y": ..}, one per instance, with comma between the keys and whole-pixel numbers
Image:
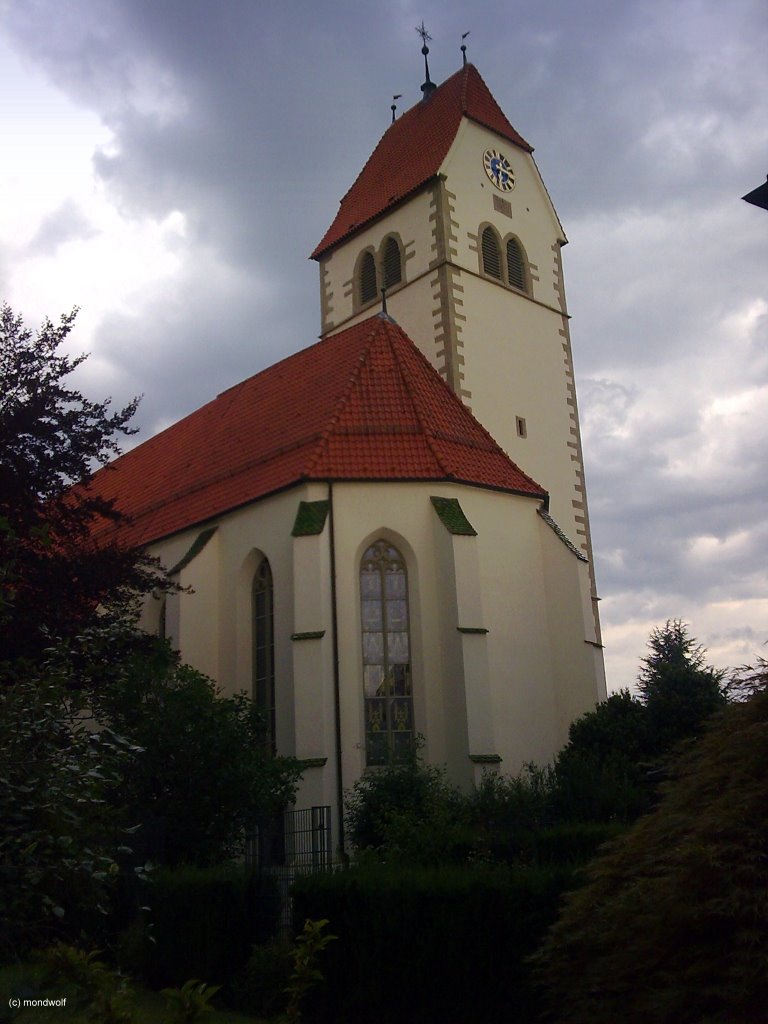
[
  {"x": 502, "y": 206},
  {"x": 522, "y": 429}
]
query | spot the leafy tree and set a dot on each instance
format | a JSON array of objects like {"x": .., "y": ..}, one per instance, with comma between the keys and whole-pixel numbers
[
  {"x": 52, "y": 573},
  {"x": 679, "y": 690},
  {"x": 607, "y": 768},
  {"x": 204, "y": 773},
  {"x": 59, "y": 844},
  {"x": 407, "y": 810},
  {"x": 672, "y": 924}
]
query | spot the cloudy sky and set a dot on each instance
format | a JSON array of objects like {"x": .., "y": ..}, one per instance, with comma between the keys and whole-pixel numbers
[{"x": 169, "y": 165}]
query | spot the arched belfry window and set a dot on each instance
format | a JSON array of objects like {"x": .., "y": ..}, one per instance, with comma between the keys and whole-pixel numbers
[
  {"x": 388, "y": 695},
  {"x": 391, "y": 263},
  {"x": 367, "y": 283},
  {"x": 516, "y": 264},
  {"x": 491, "y": 253},
  {"x": 264, "y": 648}
]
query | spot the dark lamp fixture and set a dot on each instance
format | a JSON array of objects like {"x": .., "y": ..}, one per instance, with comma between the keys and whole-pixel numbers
[{"x": 758, "y": 196}]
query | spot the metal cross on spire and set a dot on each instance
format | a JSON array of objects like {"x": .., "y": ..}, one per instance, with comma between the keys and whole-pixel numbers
[{"x": 429, "y": 86}]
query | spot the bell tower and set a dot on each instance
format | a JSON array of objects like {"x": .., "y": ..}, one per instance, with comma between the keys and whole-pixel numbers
[{"x": 451, "y": 219}]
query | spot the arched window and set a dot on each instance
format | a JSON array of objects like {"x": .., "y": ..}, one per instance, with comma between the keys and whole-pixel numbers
[
  {"x": 391, "y": 264},
  {"x": 516, "y": 264},
  {"x": 388, "y": 697},
  {"x": 491, "y": 251},
  {"x": 368, "y": 288},
  {"x": 264, "y": 648}
]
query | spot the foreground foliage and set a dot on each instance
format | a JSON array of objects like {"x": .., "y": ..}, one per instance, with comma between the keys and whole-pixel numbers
[
  {"x": 52, "y": 438},
  {"x": 113, "y": 754},
  {"x": 673, "y": 925},
  {"x": 61, "y": 838},
  {"x": 430, "y": 944}
]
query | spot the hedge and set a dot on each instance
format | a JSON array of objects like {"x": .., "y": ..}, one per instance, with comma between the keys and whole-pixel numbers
[
  {"x": 430, "y": 944},
  {"x": 204, "y": 923}
]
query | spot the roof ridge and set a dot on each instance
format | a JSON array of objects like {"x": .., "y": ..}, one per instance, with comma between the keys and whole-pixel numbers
[
  {"x": 407, "y": 384},
  {"x": 324, "y": 436},
  {"x": 453, "y": 397}
]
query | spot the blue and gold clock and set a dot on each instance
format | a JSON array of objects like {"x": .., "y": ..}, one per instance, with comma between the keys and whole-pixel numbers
[{"x": 499, "y": 170}]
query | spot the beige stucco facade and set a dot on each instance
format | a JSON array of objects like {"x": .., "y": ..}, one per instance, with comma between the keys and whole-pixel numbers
[
  {"x": 505, "y": 352},
  {"x": 498, "y": 623},
  {"x": 503, "y": 632}
]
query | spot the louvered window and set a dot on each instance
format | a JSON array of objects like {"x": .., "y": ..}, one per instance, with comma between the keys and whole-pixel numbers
[
  {"x": 392, "y": 269},
  {"x": 368, "y": 290},
  {"x": 491, "y": 253},
  {"x": 264, "y": 649},
  {"x": 389, "y": 726},
  {"x": 516, "y": 264}
]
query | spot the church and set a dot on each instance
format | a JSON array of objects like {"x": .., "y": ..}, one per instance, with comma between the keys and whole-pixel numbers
[{"x": 386, "y": 535}]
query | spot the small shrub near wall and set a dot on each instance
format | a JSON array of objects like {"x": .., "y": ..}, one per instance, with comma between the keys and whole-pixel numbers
[
  {"x": 204, "y": 923},
  {"x": 444, "y": 944}
]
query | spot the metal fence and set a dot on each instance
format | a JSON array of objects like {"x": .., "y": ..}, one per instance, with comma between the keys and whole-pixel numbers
[{"x": 293, "y": 843}]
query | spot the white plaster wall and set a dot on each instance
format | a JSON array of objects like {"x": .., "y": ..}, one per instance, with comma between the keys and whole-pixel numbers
[
  {"x": 511, "y": 692},
  {"x": 533, "y": 219},
  {"x": 411, "y": 220},
  {"x": 521, "y": 648}
]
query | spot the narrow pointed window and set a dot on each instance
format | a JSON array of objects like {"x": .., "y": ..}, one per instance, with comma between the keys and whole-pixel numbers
[
  {"x": 491, "y": 251},
  {"x": 516, "y": 264},
  {"x": 389, "y": 730},
  {"x": 368, "y": 289},
  {"x": 264, "y": 649},
  {"x": 393, "y": 272}
]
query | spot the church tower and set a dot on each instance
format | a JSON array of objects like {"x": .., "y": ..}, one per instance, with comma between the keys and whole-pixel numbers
[{"x": 451, "y": 218}]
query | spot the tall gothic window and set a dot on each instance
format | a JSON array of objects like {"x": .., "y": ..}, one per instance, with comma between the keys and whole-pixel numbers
[
  {"x": 516, "y": 264},
  {"x": 264, "y": 648},
  {"x": 389, "y": 731},
  {"x": 391, "y": 264},
  {"x": 368, "y": 288},
  {"x": 491, "y": 252}
]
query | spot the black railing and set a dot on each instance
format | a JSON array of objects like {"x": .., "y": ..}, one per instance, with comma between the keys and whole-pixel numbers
[{"x": 293, "y": 843}]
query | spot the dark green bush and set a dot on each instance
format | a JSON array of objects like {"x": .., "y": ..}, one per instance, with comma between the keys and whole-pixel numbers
[
  {"x": 574, "y": 842},
  {"x": 202, "y": 923},
  {"x": 445, "y": 944},
  {"x": 260, "y": 987},
  {"x": 672, "y": 921},
  {"x": 410, "y": 811}
]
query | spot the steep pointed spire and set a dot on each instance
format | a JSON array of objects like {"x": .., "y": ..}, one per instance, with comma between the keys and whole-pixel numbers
[
  {"x": 429, "y": 86},
  {"x": 464, "y": 49}
]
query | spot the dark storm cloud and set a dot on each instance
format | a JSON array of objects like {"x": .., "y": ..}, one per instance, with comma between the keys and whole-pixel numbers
[
  {"x": 68, "y": 223},
  {"x": 251, "y": 119}
]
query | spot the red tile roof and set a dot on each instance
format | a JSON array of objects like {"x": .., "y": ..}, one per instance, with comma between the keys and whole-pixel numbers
[
  {"x": 363, "y": 404},
  {"x": 412, "y": 151}
]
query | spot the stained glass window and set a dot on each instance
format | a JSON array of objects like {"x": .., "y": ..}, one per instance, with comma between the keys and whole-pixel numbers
[
  {"x": 389, "y": 729},
  {"x": 264, "y": 648}
]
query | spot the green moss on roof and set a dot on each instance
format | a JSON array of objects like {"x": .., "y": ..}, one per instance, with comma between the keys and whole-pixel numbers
[
  {"x": 310, "y": 518},
  {"x": 200, "y": 542},
  {"x": 452, "y": 517}
]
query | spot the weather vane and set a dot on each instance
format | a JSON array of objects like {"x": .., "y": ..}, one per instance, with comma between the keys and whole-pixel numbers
[
  {"x": 464, "y": 48},
  {"x": 394, "y": 105},
  {"x": 429, "y": 86}
]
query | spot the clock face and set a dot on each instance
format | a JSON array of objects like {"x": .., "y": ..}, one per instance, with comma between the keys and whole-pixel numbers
[{"x": 499, "y": 170}]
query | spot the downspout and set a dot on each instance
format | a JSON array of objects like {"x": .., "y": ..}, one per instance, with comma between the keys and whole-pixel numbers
[{"x": 336, "y": 679}]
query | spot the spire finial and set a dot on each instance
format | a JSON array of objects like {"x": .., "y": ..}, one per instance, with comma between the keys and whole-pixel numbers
[
  {"x": 464, "y": 48},
  {"x": 429, "y": 86},
  {"x": 384, "y": 301},
  {"x": 394, "y": 105}
]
